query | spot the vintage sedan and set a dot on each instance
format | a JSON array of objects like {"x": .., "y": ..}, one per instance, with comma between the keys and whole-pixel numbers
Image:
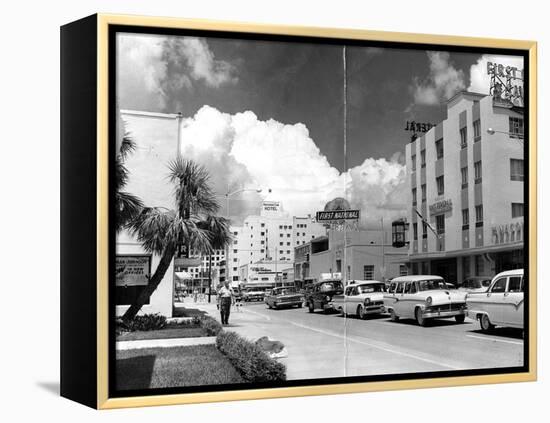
[
  {"x": 284, "y": 297},
  {"x": 253, "y": 294},
  {"x": 424, "y": 297},
  {"x": 475, "y": 284},
  {"x": 361, "y": 298},
  {"x": 502, "y": 303},
  {"x": 320, "y": 294}
]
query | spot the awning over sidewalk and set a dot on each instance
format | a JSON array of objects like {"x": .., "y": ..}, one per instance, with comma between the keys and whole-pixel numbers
[{"x": 183, "y": 275}]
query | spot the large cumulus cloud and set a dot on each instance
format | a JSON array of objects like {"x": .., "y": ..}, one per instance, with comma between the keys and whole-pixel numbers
[{"x": 241, "y": 151}]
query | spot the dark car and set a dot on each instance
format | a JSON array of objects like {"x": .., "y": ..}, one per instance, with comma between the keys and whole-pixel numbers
[
  {"x": 281, "y": 297},
  {"x": 321, "y": 293}
]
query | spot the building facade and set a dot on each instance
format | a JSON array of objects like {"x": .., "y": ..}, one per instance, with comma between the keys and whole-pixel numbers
[
  {"x": 466, "y": 195},
  {"x": 356, "y": 255},
  {"x": 268, "y": 237}
]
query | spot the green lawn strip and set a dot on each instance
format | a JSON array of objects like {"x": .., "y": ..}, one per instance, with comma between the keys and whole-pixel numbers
[
  {"x": 172, "y": 367},
  {"x": 182, "y": 331}
]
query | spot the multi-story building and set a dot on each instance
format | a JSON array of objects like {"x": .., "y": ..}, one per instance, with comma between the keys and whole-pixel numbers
[
  {"x": 269, "y": 237},
  {"x": 197, "y": 266},
  {"x": 356, "y": 255},
  {"x": 466, "y": 197}
]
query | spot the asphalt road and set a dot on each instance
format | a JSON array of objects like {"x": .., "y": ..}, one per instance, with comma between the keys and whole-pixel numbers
[{"x": 321, "y": 346}]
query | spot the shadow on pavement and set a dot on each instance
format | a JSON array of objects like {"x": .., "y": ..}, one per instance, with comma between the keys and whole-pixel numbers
[
  {"x": 433, "y": 322},
  {"x": 502, "y": 332}
]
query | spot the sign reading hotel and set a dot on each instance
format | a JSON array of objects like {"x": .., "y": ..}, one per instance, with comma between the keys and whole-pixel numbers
[
  {"x": 325, "y": 216},
  {"x": 441, "y": 206},
  {"x": 132, "y": 270},
  {"x": 271, "y": 206}
]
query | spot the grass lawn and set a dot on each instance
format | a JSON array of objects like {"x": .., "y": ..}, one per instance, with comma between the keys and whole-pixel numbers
[
  {"x": 171, "y": 367},
  {"x": 172, "y": 331}
]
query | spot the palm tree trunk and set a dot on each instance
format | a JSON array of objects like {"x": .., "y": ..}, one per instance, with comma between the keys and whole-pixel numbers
[
  {"x": 154, "y": 282},
  {"x": 209, "y": 276}
]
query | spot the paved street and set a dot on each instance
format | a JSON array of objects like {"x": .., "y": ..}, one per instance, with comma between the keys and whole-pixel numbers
[{"x": 322, "y": 346}]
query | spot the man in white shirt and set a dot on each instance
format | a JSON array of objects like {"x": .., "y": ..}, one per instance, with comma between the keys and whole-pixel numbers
[{"x": 225, "y": 300}]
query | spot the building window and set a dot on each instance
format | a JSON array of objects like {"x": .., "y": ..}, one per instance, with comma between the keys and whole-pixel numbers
[
  {"x": 235, "y": 251},
  {"x": 414, "y": 196},
  {"x": 262, "y": 225},
  {"x": 465, "y": 219},
  {"x": 440, "y": 224},
  {"x": 234, "y": 269},
  {"x": 235, "y": 260},
  {"x": 440, "y": 185},
  {"x": 479, "y": 216},
  {"x": 235, "y": 242},
  {"x": 403, "y": 271},
  {"x": 289, "y": 226},
  {"x": 516, "y": 127},
  {"x": 517, "y": 210},
  {"x": 463, "y": 137},
  {"x": 281, "y": 252},
  {"x": 423, "y": 158},
  {"x": 424, "y": 230},
  {"x": 516, "y": 170},
  {"x": 288, "y": 243},
  {"x": 413, "y": 158},
  {"x": 368, "y": 272},
  {"x": 415, "y": 231},
  {"x": 280, "y": 226},
  {"x": 477, "y": 172},
  {"x": 235, "y": 278},
  {"x": 439, "y": 148},
  {"x": 262, "y": 233},
  {"x": 235, "y": 233},
  {"x": 464, "y": 176},
  {"x": 477, "y": 130},
  {"x": 280, "y": 243},
  {"x": 280, "y": 235},
  {"x": 423, "y": 189},
  {"x": 288, "y": 251},
  {"x": 288, "y": 235},
  {"x": 262, "y": 251},
  {"x": 480, "y": 268}
]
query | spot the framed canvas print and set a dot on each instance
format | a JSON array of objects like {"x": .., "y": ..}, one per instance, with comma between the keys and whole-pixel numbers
[{"x": 258, "y": 211}]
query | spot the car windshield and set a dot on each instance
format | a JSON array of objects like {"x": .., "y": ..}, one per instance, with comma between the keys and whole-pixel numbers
[
  {"x": 372, "y": 287},
  {"x": 284, "y": 291},
  {"x": 330, "y": 286},
  {"x": 431, "y": 284}
]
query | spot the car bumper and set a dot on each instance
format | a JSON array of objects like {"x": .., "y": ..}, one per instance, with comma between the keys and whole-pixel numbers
[
  {"x": 374, "y": 309},
  {"x": 450, "y": 313}
]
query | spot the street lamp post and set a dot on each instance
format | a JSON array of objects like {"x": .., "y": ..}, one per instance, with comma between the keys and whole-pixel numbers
[{"x": 227, "y": 195}]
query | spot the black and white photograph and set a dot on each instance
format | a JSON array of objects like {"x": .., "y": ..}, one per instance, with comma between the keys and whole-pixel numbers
[{"x": 293, "y": 211}]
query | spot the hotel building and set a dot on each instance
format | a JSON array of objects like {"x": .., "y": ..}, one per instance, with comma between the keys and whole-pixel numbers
[
  {"x": 269, "y": 238},
  {"x": 466, "y": 181}
]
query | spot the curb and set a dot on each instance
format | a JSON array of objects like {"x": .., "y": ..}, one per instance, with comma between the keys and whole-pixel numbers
[{"x": 164, "y": 343}]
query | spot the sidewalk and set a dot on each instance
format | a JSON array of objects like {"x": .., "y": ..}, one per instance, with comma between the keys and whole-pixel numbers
[{"x": 164, "y": 343}]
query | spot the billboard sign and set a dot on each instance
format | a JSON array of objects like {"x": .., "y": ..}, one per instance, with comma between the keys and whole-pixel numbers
[
  {"x": 327, "y": 216},
  {"x": 132, "y": 270}
]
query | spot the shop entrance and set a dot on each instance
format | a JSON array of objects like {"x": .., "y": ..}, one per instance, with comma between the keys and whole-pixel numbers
[{"x": 446, "y": 269}]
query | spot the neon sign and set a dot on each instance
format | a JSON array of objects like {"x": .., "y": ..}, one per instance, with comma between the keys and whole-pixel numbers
[{"x": 506, "y": 84}]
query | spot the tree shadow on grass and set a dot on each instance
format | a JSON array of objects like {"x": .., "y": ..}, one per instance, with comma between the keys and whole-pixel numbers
[{"x": 134, "y": 372}]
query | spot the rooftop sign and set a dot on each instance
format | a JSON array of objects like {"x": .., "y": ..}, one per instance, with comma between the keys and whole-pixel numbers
[
  {"x": 325, "y": 216},
  {"x": 506, "y": 84}
]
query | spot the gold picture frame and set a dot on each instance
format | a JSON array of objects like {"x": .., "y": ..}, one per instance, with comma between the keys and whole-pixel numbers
[{"x": 100, "y": 359}]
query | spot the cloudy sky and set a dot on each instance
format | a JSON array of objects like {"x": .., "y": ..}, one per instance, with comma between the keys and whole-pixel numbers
[{"x": 266, "y": 113}]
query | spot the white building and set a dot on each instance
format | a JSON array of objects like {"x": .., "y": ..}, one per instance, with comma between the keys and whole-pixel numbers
[{"x": 269, "y": 237}]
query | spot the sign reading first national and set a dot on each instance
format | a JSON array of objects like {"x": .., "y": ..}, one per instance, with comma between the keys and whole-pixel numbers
[{"x": 324, "y": 216}]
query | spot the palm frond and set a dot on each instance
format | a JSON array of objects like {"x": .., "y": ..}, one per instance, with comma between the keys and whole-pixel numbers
[
  {"x": 192, "y": 192},
  {"x": 127, "y": 206},
  {"x": 152, "y": 228},
  {"x": 220, "y": 233},
  {"x": 128, "y": 146}
]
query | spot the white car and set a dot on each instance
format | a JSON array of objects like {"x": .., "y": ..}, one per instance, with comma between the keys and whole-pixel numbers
[
  {"x": 502, "y": 304},
  {"x": 424, "y": 297},
  {"x": 361, "y": 298}
]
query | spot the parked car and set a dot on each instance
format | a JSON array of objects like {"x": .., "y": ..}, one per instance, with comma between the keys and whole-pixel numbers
[
  {"x": 360, "y": 298},
  {"x": 281, "y": 297},
  {"x": 321, "y": 293},
  {"x": 501, "y": 304},
  {"x": 424, "y": 297},
  {"x": 253, "y": 294},
  {"x": 475, "y": 284}
]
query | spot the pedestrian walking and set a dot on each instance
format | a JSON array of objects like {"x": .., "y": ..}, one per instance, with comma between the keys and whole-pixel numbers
[{"x": 225, "y": 301}]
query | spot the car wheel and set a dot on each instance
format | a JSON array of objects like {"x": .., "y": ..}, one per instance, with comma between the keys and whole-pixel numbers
[
  {"x": 393, "y": 317},
  {"x": 310, "y": 307},
  {"x": 419, "y": 318},
  {"x": 361, "y": 312},
  {"x": 460, "y": 318},
  {"x": 299, "y": 305},
  {"x": 485, "y": 323}
]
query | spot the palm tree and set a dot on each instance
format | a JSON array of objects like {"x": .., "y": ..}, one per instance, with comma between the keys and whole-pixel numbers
[
  {"x": 127, "y": 205},
  {"x": 192, "y": 223}
]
